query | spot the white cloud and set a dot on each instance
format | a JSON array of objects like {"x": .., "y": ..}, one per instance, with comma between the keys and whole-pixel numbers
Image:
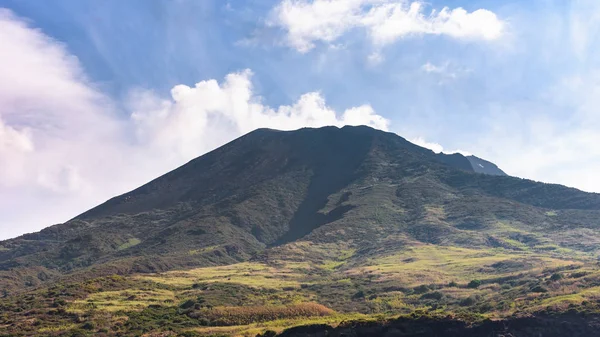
[
  {"x": 321, "y": 20},
  {"x": 386, "y": 21},
  {"x": 64, "y": 149},
  {"x": 435, "y": 147},
  {"x": 390, "y": 21},
  {"x": 46, "y": 106},
  {"x": 200, "y": 118}
]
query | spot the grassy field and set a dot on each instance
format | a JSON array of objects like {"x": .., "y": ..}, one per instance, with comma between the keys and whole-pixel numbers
[{"x": 272, "y": 293}]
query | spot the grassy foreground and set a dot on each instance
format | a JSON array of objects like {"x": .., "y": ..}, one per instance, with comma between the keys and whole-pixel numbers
[{"x": 249, "y": 298}]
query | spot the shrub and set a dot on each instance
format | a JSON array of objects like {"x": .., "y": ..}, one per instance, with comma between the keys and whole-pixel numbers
[
  {"x": 556, "y": 276},
  {"x": 435, "y": 295},
  {"x": 422, "y": 289},
  {"x": 474, "y": 284},
  {"x": 453, "y": 284},
  {"x": 88, "y": 326},
  {"x": 187, "y": 304},
  {"x": 486, "y": 307},
  {"x": 359, "y": 294},
  {"x": 58, "y": 303},
  {"x": 579, "y": 274},
  {"x": 468, "y": 301},
  {"x": 539, "y": 289}
]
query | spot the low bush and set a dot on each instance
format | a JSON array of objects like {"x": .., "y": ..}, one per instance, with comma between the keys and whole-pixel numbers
[
  {"x": 538, "y": 289},
  {"x": 474, "y": 284},
  {"x": 556, "y": 276},
  {"x": 435, "y": 295}
]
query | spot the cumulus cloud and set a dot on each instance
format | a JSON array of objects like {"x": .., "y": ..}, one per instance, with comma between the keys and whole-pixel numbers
[
  {"x": 199, "y": 118},
  {"x": 65, "y": 148},
  {"x": 386, "y": 21}
]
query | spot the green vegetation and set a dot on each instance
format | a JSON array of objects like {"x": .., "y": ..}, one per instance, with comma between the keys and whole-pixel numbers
[
  {"x": 280, "y": 229},
  {"x": 250, "y": 298},
  {"x": 130, "y": 243},
  {"x": 474, "y": 284}
]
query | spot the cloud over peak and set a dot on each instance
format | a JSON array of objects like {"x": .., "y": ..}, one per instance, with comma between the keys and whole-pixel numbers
[{"x": 199, "y": 118}]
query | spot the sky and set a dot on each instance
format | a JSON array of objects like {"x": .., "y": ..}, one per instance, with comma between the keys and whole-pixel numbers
[{"x": 99, "y": 97}]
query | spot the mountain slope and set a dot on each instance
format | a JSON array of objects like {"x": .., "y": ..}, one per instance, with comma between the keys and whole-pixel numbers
[
  {"x": 364, "y": 187},
  {"x": 278, "y": 229}
]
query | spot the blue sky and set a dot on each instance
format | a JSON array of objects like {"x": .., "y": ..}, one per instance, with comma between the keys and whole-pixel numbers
[{"x": 99, "y": 97}]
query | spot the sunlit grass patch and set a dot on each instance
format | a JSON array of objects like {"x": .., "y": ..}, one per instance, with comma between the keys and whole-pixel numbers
[
  {"x": 130, "y": 243},
  {"x": 56, "y": 328},
  {"x": 331, "y": 265},
  {"x": 202, "y": 250},
  {"x": 514, "y": 244},
  {"x": 562, "y": 302},
  {"x": 127, "y": 300},
  {"x": 425, "y": 264},
  {"x": 247, "y": 273},
  {"x": 278, "y": 326}
]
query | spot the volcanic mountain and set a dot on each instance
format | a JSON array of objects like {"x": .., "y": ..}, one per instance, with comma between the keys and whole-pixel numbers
[
  {"x": 269, "y": 192},
  {"x": 280, "y": 229}
]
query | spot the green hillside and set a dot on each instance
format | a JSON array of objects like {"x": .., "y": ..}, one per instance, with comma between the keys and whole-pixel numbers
[{"x": 315, "y": 226}]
